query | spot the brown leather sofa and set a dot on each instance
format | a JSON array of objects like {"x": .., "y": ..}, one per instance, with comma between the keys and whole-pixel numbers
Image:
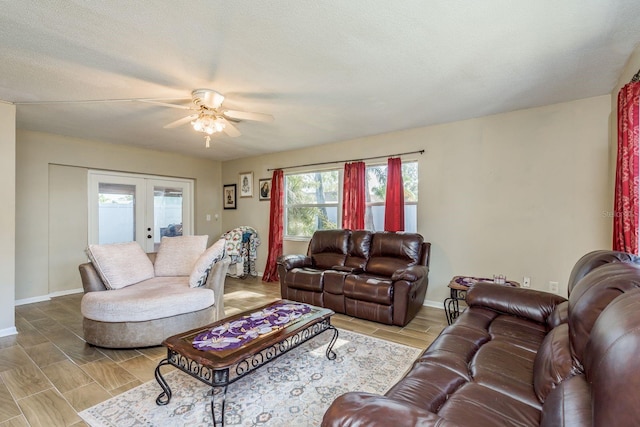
[
  {"x": 520, "y": 357},
  {"x": 376, "y": 276}
]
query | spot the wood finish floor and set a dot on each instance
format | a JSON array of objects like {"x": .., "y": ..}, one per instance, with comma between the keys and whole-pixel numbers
[{"x": 48, "y": 373}]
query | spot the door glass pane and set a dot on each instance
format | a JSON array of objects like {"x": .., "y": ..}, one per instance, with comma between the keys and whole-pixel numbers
[
  {"x": 116, "y": 213},
  {"x": 167, "y": 213}
]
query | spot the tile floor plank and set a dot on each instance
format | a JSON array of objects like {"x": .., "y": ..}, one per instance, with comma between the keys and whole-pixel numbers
[{"x": 48, "y": 409}]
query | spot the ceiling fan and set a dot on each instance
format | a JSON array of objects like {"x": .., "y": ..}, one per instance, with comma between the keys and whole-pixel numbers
[{"x": 209, "y": 115}]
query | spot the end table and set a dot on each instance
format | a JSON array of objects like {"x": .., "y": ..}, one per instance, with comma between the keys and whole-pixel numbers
[{"x": 459, "y": 286}]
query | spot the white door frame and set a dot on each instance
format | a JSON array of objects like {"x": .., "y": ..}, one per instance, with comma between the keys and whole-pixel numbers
[{"x": 144, "y": 185}]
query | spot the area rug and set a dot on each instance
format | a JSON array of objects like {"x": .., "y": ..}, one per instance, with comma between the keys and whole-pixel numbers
[{"x": 293, "y": 390}]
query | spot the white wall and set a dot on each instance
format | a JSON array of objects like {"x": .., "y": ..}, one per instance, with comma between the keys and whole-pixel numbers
[
  {"x": 521, "y": 193},
  {"x": 7, "y": 217},
  {"x": 51, "y": 202}
]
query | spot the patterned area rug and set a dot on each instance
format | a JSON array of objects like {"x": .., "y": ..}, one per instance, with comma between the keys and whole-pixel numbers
[{"x": 293, "y": 390}]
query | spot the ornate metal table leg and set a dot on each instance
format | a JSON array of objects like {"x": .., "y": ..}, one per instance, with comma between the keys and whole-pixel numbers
[
  {"x": 331, "y": 355},
  {"x": 164, "y": 397},
  {"x": 213, "y": 412}
]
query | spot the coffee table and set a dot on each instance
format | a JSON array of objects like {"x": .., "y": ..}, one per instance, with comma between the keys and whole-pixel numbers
[{"x": 221, "y": 353}]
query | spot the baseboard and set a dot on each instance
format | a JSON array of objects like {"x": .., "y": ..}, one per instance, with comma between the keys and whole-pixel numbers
[
  {"x": 8, "y": 331},
  {"x": 434, "y": 304},
  {"x": 67, "y": 292},
  {"x": 48, "y": 297},
  {"x": 32, "y": 300}
]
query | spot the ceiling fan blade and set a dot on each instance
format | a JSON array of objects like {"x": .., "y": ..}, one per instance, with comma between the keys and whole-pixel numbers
[
  {"x": 230, "y": 129},
  {"x": 166, "y": 104},
  {"x": 181, "y": 121},
  {"x": 244, "y": 115}
]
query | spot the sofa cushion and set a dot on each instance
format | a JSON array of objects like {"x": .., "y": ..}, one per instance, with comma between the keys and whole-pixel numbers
[
  {"x": 151, "y": 299},
  {"x": 369, "y": 288},
  {"x": 307, "y": 279},
  {"x": 359, "y": 248},
  {"x": 553, "y": 363},
  {"x": 120, "y": 264},
  {"x": 393, "y": 251},
  {"x": 204, "y": 263},
  {"x": 329, "y": 247},
  {"x": 178, "y": 255}
]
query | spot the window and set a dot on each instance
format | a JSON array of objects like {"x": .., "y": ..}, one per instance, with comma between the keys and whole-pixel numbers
[
  {"x": 377, "y": 188},
  {"x": 311, "y": 202}
]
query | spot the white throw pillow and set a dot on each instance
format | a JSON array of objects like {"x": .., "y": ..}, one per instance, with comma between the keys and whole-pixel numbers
[
  {"x": 177, "y": 255},
  {"x": 120, "y": 264},
  {"x": 205, "y": 263}
]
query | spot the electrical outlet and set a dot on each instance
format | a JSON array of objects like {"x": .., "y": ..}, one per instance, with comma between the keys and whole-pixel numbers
[
  {"x": 526, "y": 282},
  {"x": 553, "y": 287}
]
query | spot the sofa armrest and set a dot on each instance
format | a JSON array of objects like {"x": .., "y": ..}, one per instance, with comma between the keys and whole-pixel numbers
[
  {"x": 410, "y": 274},
  {"x": 215, "y": 282},
  {"x": 290, "y": 262},
  {"x": 351, "y": 270},
  {"x": 91, "y": 281},
  {"x": 527, "y": 303},
  {"x": 366, "y": 409}
]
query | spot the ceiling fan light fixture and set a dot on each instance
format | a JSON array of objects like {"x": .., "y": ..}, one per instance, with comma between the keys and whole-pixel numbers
[{"x": 208, "y": 124}]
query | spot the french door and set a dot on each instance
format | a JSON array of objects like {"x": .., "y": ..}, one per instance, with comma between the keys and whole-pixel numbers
[{"x": 128, "y": 207}]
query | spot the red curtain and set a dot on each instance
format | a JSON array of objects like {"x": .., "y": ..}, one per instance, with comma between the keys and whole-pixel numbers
[
  {"x": 394, "y": 199},
  {"x": 276, "y": 227},
  {"x": 353, "y": 196},
  {"x": 625, "y": 218}
]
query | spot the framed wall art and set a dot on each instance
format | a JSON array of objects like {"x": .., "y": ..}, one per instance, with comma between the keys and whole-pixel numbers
[
  {"x": 229, "y": 196},
  {"x": 264, "y": 190},
  {"x": 246, "y": 184}
]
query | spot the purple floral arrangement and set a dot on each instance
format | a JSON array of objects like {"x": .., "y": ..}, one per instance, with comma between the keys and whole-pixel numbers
[{"x": 235, "y": 334}]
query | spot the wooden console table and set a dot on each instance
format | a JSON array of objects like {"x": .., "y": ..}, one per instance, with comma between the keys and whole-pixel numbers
[{"x": 459, "y": 286}]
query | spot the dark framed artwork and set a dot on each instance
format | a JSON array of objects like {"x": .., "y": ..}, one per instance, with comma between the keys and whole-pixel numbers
[
  {"x": 245, "y": 180},
  {"x": 264, "y": 189},
  {"x": 229, "y": 196}
]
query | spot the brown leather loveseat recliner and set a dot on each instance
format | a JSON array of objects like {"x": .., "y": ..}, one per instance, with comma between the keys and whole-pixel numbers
[
  {"x": 521, "y": 357},
  {"x": 378, "y": 276}
]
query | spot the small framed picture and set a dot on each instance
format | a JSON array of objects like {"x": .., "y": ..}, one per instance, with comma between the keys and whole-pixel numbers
[
  {"x": 265, "y": 188},
  {"x": 229, "y": 195},
  {"x": 246, "y": 184}
]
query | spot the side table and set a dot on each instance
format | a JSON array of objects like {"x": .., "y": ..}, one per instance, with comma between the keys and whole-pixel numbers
[{"x": 459, "y": 286}]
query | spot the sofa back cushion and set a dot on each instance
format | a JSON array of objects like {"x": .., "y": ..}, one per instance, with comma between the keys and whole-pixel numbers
[
  {"x": 178, "y": 255},
  {"x": 120, "y": 264},
  {"x": 205, "y": 262},
  {"x": 593, "y": 293},
  {"x": 596, "y": 259},
  {"x": 393, "y": 251},
  {"x": 359, "y": 249},
  {"x": 611, "y": 362},
  {"x": 329, "y": 247},
  {"x": 553, "y": 363}
]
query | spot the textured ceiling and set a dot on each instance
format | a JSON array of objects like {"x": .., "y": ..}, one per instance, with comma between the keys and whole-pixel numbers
[{"x": 327, "y": 70}]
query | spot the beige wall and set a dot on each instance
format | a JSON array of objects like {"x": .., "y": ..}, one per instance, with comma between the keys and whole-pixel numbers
[
  {"x": 51, "y": 202},
  {"x": 7, "y": 216},
  {"x": 521, "y": 193}
]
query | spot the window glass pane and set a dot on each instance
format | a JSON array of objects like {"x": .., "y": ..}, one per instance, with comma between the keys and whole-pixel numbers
[
  {"x": 311, "y": 202},
  {"x": 312, "y": 188},
  {"x": 116, "y": 213},
  {"x": 167, "y": 213},
  {"x": 303, "y": 221}
]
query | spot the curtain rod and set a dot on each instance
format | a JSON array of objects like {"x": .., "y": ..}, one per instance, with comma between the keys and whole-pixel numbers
[
  {"x": 346, "y": 161},
  {"x": 636, "y": 77}
]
